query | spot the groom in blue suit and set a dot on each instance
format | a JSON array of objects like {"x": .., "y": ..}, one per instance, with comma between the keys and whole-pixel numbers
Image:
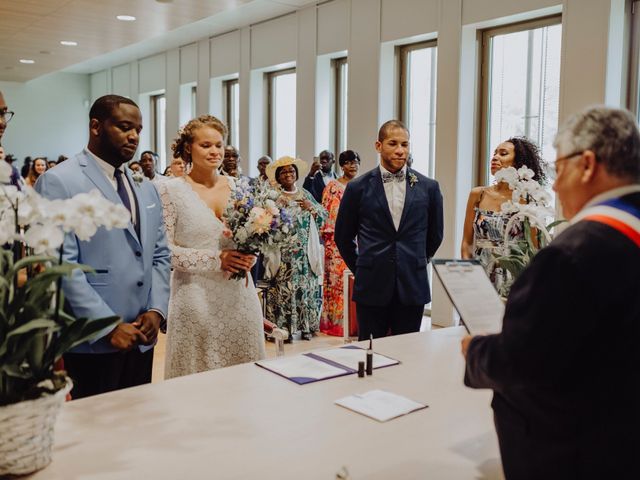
[
  {"x": 389, "y": 225},
  {"x": 131, "y": 266}
]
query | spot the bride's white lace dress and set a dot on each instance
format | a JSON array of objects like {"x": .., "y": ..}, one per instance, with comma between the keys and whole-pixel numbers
[{"x": 213, "y": 322}]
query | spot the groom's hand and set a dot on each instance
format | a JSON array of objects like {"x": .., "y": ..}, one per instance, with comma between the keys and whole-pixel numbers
[
  {"x": 126, "y": 336},
  {"x": 149, "y": 324}
]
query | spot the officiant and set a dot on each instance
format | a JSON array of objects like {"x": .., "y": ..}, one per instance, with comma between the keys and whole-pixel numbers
[{"x": 564, "y": 369}]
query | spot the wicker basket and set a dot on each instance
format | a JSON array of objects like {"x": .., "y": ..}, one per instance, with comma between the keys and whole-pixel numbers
[{"x": 26, "y": 433}]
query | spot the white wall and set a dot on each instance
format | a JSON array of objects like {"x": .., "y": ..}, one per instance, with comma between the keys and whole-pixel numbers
[{"x": 52, "y": 116}]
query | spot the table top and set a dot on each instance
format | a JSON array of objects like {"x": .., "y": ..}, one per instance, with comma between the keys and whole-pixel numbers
[{"x": 246, "y": 422}]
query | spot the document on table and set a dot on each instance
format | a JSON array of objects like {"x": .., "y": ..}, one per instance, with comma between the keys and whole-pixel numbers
[
  {"x": 302, "y": 369},
  {"x": 350, "y": 355},
  {"x": 380, "y": 405},
  {"x": 472, "y": 293}
]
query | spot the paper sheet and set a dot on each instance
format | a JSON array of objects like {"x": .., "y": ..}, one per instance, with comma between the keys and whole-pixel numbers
[
  {"x": 301, "y": 368},
  {"x": 350, "y": 356},
  {"x": 380, "y": 405},
  {"x": 473, "y": 295}
]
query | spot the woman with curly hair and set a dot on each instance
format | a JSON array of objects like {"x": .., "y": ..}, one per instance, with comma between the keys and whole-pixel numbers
[
  {"x": 37, "y": 168},
  {"x": 485, "y": 223},
  {"x": 213, "y": 321}
]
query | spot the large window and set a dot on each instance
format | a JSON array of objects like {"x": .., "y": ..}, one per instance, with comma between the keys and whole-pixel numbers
[
  {"x": 521, "y": 86},
  {"x": 633, "y": 94},
  {"x": 158, "y": 123},
  {"x": 282, "y": 113},
  {"x": 232, "y": 110},
  {"x": 341, "y": 71},
  {"x": 418, "y": 102}
]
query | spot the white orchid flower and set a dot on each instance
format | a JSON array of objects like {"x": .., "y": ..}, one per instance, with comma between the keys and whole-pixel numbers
[
  {"x": 5, "y": 172},
  {"x": 525, "y": 173},
  {"x": 44, "y": 238}
]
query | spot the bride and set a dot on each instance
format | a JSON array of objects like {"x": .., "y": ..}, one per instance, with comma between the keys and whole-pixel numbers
[{"x": 213, "y": 322}]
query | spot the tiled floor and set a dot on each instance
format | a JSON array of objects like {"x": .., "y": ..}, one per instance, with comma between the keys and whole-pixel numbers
[{"x": 319, "y": 341}]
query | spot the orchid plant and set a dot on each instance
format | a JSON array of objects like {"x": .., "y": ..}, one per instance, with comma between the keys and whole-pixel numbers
[
  {"x": 34, "y": 329},
  {"x": 529, "y": 204}
]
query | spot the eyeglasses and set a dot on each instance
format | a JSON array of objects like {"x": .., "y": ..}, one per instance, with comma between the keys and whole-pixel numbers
[
  {"x": 553, "y": 172},
  {"x": 7, "y": 116}
]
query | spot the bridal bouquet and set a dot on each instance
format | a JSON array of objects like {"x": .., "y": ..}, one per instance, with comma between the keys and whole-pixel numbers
[
  {"x": 34, "y": 329},
  {"x": 256, "y": 222},
  {"x": 529, "y": 204}
]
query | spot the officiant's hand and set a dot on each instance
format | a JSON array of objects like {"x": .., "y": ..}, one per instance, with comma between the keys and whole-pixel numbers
[
  {"x": 465, "y": 344},
  {"x": 149, "y": 324},
  {"x": 126, "y": 336},
  {"x": 234, "y": 261}
]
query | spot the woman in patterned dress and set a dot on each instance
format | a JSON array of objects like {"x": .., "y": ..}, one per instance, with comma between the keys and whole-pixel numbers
[
  {"x": 334, "y": 266},
  {"x": 294, "y": 299},
  {"x": 485, "y": 223}
]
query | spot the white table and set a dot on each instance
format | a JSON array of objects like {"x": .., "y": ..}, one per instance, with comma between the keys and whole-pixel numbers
[{"x": 245, "y": 422}]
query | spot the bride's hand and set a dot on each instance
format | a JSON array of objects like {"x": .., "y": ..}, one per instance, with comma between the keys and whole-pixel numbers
[{"x": 234, "y": 261}]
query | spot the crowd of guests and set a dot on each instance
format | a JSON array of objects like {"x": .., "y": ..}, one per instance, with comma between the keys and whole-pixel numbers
[{"x": 31, "y": 169}]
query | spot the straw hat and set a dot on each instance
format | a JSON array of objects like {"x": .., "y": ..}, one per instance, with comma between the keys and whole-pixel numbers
[{"x": 300, "y": 164}]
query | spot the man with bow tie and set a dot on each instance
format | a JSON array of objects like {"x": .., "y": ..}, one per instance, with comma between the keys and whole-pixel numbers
[{"x": 389, "y": 225}]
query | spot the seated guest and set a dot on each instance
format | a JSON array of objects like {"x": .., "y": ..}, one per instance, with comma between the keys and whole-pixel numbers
[
  {"x": 294, "y": 299},
  {"x": 320, "y": 175},
  {"x": 334, "y": 266},
  {"x": 51, "y": 164},
  {"x": 38, "y": 167},
  {"x": 61, "y": 158},
  {"x": 564, "y": 369},
  {"x": 148, "y": 165},
  {"x": 15, "y": 178},
  {"x": 485, "y": 223}
]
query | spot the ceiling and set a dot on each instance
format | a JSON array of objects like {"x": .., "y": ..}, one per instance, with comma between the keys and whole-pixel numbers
[{"x": 33, "y": 30}]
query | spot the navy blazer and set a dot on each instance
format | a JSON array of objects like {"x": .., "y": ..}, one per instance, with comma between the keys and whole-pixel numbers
[
  {"x": 385, "y": 260},
  {"x": 315, "y": 186}
]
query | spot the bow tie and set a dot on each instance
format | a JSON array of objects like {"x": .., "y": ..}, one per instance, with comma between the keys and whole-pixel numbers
[{"x": 393, "y": 177}]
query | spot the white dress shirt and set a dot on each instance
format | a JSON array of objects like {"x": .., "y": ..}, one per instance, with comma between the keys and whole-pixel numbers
[
  {"x": 109, "y": 172},
  {"x": 395, "y": 193}
]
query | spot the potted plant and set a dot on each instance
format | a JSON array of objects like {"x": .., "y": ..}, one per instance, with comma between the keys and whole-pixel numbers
[{"x": 34, "y": 328}]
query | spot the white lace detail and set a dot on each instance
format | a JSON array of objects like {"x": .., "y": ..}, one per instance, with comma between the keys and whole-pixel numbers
[
  {"x": 187, "y": 224},
  {"x": 213, "y": 322}
]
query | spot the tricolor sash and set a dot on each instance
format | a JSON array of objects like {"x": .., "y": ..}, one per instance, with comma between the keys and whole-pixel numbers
[{"x": 617, "y": 214}]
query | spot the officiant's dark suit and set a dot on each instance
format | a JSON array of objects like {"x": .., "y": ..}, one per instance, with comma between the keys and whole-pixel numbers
[
  {"x": 565, "y": 370},
  {"x": 398, "y": 228}
]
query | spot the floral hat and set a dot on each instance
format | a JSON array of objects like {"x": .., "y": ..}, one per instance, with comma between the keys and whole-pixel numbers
[{"x": 300, "y": 164}]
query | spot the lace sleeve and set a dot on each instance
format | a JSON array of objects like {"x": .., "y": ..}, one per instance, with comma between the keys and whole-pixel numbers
[{"x": 183, "y": 259}]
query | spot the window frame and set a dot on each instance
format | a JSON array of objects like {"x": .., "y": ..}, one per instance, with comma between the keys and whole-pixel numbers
[
  {"x": 154, "y": 109},
  {"x": 340, "y": 107},
  {"x": 402, "y": 55},
  {"x": 633, "y": 85},
  {"x": 270, "y": 80},
  {"x": 230, "y": 117},
  {"x": 483, "y": 161}
]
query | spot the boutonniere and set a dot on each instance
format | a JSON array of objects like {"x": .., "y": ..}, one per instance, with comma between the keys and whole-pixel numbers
[
  {"x": 413, "y": 179},
  {"x": 137, "y": 177}
]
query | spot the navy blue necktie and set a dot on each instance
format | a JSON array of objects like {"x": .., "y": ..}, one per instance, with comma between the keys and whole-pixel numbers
[{"x": 124, "y": 196}]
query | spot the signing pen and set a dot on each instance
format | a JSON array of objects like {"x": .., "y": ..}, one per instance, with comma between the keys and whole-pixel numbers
[{"x": 370, "y": 356}]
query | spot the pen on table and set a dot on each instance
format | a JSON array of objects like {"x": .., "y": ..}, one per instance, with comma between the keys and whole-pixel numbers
[{"x": 370, "y": 356}]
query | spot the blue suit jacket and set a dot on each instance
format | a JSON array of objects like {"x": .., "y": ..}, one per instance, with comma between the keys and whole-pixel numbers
[
  {"x": 131, "y": 274},
  {"x": 385, "y": 260}
]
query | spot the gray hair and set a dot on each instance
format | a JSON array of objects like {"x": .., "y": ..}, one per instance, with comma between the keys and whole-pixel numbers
[{"x": 610, "y": 133}]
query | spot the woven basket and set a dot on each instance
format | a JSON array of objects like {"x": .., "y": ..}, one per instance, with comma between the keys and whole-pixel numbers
[{"x": 26, "y": 433}]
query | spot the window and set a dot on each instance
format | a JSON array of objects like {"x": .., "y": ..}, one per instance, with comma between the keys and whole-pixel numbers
[
  {"x": 341, "y": 70},
  {"x": 158, "y": 122},
  {"x": 232, "y": 110},
  {"x": 633, "y": 96},
  {"x": 521, "y": 86},
  {"x": 418, "y": 102},
  {"x": 194, "y": 101},
  {"x": 282, "y": 113}
]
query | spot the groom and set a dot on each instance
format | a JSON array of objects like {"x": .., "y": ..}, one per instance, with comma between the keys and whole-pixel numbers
[
  {"x": 396, "y": 215},
  {"x": 131, "y": 266}
]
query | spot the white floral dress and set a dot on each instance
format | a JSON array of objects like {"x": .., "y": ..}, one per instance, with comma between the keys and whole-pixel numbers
[{"x": 213, "y": 322}]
